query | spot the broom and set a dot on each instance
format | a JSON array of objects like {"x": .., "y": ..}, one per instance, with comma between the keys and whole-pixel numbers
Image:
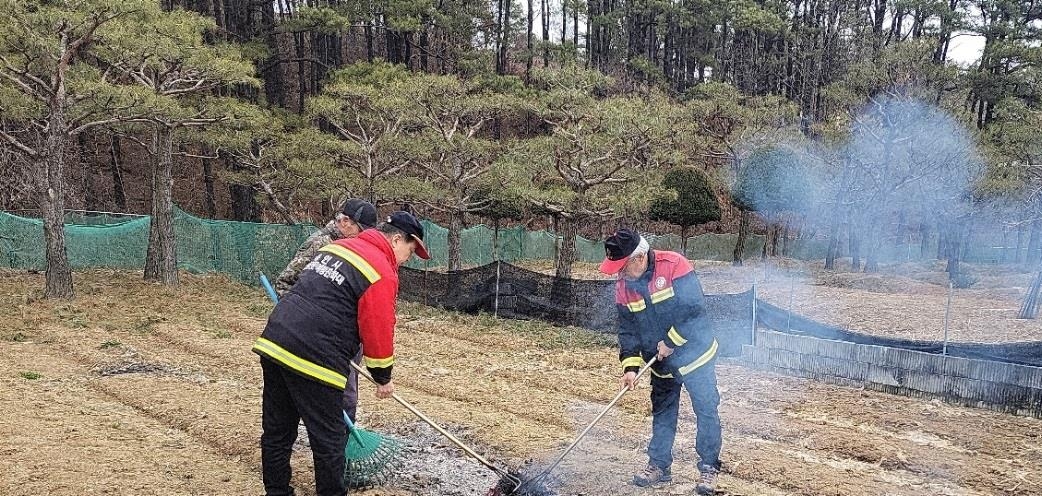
[{"x": 371, "y": 459}]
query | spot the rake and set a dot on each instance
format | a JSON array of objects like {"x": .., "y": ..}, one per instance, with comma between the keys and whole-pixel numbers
[
  {"x": 539, "y": 479},
  {"x": 372, "y": 459},
  {"x": 509, "y": 478}
]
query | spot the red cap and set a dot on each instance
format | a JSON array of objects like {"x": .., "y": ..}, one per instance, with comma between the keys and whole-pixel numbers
[{"x": 612, "y": 267}]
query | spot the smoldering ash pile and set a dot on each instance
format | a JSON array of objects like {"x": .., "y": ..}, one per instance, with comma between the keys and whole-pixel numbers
[{"x": 529, "y": 486}]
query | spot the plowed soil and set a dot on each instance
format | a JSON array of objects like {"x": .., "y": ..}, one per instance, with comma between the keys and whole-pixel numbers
[{"x": 136, "y": 389}]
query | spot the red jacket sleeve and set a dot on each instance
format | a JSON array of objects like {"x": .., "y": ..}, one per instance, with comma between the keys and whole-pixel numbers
[{"x": 376, "y": 319}]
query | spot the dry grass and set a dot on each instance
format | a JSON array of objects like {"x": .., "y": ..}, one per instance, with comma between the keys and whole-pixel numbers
[{"x": 134, "y": 388}]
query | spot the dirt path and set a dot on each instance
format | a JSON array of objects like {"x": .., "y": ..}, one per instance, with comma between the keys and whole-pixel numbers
[{"x": 134, "y": 389}]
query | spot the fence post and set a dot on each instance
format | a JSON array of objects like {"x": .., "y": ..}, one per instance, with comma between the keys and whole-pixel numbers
[
  {"x": 495, "y": 304},
  {"x": 752, "y": 328},
  {"x": 947, "y": 316},
  {"x": 217, "y": 265},
  {"x": 792, "y": 290},
  {"x": 426, "y": 271}
]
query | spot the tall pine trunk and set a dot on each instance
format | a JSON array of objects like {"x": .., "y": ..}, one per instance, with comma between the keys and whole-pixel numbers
[
  {"x": 302, "y": 80},
  {"x": 58, "y": 275},
  {"x": 503, "y": 60},
  {"x": 774, "y": 238},
  {"x": 564, "y": 21},
  {"x": 271, "y": 69},
  {"x": 161, "y": 257},
  {"x": 872, "y": 247},
  {"x": 833, "y": 251},
  {"x": 743, "y": 232},
  {"x": 119, "y": 192},
  {"x": 210, "y": 199},
  {"x": 567, "y": 253},
  {"x": 454, "y": 244},
  {"x": 942, "y": 242},
  {"x": 1018, "y": 253},
  {"x": 855, "y": 248},
  {"x": 924, "y": 240},
  {"x": 575, "y": 26},
  {"x": 1034, "y": 253},
  {"x": 544, "y": 8},
  {"x": 531, "y": 39},
  {"x": 51, "y": 198},
  {"x": 243, "y": 197}
]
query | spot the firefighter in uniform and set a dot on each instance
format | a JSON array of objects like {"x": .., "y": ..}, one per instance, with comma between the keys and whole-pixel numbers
[
  {"x": 345, "y": 298},
  {"x": 662, "y": 313},
  {"x": 354, "y": 217}
]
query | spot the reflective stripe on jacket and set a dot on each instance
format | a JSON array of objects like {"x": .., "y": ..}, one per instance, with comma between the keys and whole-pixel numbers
[
  {"x": 665, "y": 304},
  {"x": 345, "y": 297}
]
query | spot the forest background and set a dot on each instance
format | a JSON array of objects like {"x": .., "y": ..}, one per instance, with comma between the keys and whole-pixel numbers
[{"x": 860, "y": 122}]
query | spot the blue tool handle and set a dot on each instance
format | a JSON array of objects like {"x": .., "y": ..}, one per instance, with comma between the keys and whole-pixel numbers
[
  {"x": 267, "y": 287},
  {"x": 351, "y": 426}
]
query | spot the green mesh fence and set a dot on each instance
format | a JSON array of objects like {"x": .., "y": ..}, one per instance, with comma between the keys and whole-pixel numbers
[
  {"x": 118, "y": 245},
  {"x": 94, "y": 219},
  {"x": 242, "y": 249}
]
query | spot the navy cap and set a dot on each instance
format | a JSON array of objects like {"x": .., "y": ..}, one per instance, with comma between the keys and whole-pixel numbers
[
  {"x": 407, "y": 223},
  {"x": 360, "y": 211},
  {"x": 617, "y": 250}
]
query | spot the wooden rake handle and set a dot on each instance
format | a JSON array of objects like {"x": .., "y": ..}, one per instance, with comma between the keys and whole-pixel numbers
[
  {"x": 362, "y": 372},
  {"x": 585, "y": 431}
]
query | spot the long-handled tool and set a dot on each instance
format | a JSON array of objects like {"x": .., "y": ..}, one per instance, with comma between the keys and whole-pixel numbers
[
  {"x": 506, "y": 475},
  {"x": 547, "y": 470},
  {"x": 270, "y": 290},
  {"x": 370, "y": 458}
]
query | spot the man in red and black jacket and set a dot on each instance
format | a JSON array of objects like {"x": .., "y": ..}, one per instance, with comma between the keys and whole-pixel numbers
[
  {"x": 662, "y": 313},
  {"x": 344, "y": 299}
]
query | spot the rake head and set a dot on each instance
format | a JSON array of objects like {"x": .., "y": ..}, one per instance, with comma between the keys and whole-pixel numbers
[
  {"x": 372, "y": 459},
  {"x": 535, "y": 486}
]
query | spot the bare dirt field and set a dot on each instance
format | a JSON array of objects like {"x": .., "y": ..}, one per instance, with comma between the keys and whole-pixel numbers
[{"x": 135, "y": 389}]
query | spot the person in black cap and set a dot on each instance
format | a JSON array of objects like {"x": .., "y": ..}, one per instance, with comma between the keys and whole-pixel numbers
[
  {"x": 354, "y": 217},
  {"x": 662, "y": 314},
  {"x": 343, "y": 302}
]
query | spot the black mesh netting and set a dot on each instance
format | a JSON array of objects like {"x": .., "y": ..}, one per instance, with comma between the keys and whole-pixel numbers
[
  {"x": 524, "y": 294},
  {"x": 1024, "y": 353}
]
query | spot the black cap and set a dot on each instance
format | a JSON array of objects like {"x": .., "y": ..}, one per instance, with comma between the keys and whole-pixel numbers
[
  {"x": 407, "y": 223},
  {"x": 617, "y": 248},
  {"x": 360, "y": 211}
]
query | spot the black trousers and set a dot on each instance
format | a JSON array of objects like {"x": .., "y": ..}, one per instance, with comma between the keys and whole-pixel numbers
[
  {"x": 351, "y": 391},
  {"x": 288, "y": 398}
]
